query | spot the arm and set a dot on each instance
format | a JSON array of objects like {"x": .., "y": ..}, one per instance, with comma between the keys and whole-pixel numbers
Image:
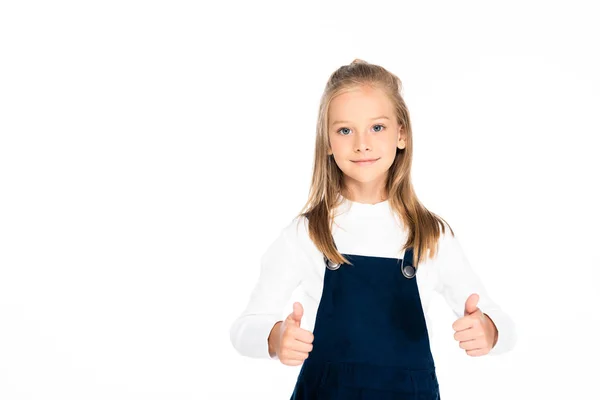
[
  {"x": 279, "y": 276},
  {"x": 458, "y": 281}
]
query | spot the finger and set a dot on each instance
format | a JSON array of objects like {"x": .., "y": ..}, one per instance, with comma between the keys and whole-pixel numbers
[
  {"x": 303, "y": 335},
  {"x": 298, "y": 312},
  {"x": 292, "y": 363},
  {"x": 463, "y": 323},
  {"x": 294, "y": 318},
  {"x": 290, "y": 354},
  {"x": 301, "y": 346},
  {"x": 469, "y": 334},
  {"x": 472, "y": 344},
  {"x": 474, "y": 320},
  {"x": 477, "y": 352},
  {"x": 471, "y": 304}
]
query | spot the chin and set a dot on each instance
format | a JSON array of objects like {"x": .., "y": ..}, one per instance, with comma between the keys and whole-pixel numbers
[{"x": 365, "y": 177}]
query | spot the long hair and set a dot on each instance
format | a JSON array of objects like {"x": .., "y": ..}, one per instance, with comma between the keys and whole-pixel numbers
[{"x": 327, "y": 181}]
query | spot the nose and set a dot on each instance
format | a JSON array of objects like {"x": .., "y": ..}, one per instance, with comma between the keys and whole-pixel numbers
[{"x": 362, "y": 142}]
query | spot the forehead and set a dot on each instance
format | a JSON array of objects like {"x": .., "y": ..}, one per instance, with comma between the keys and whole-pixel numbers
[{"x": 360, "y": 103}]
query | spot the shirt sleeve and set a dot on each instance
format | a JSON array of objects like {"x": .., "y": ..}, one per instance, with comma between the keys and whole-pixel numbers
[
  {"x": 458, "y": 281},
  {"x": 279, "y": 277}
]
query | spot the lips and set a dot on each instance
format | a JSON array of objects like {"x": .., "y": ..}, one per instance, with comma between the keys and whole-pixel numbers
[{"x": 365, "y": 160}]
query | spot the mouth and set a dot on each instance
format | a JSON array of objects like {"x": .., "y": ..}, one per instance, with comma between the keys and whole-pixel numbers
[{"x": 366, "y": 161}]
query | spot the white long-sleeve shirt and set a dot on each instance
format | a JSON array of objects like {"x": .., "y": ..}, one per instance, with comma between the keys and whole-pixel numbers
[{"x": 293, "y": 261}]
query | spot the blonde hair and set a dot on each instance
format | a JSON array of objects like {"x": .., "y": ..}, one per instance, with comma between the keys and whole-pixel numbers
[{"x": 423, "y": 225}]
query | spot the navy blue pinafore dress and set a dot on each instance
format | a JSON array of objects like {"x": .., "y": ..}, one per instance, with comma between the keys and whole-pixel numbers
[{"x": 370, "y": 335}]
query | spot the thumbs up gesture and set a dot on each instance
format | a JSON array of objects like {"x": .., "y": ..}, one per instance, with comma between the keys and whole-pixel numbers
[
  {"x": 290, "y": 342},
  {"x": 475, "y": 332}
]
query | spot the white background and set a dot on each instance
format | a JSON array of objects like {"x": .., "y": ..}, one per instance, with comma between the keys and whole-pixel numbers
[{"x": 151, "y": 151}]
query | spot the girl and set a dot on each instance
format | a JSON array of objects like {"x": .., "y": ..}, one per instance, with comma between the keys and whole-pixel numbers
[{"x": 368, "y": 256}]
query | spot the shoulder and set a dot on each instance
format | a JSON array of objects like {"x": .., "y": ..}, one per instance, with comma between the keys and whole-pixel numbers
[
  {"x": 447, "y": 242},
  {"x": 296, "y": 239},
  {"x": 297, "y": 236},
  {"x": 447, "y": 235},
  {"x": 450, "y": 258},
  {"x": 296, "y": 230}
]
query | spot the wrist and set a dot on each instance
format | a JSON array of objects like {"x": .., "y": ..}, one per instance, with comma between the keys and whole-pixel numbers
[
  {"x": 273, "y": 339},
  {"x": 493, "y": 328}
]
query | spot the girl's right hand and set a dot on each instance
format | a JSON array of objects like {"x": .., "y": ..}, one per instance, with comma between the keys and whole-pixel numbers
[{"x": 294, "y": 343}]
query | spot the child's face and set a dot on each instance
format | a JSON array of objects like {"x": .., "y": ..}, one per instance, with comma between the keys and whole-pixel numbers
[{"x": 363, "y": 134}]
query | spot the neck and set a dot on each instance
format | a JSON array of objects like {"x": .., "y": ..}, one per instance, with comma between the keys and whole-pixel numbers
[{"x": 366, "y": 193}]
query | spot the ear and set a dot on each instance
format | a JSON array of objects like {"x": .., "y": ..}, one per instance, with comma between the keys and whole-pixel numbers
[
  {"x": 401, "y": 133},
  {"x": 401, "y": 139}
]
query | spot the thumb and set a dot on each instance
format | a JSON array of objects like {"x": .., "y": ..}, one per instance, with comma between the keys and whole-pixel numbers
[
  {"x": 471, "y": 304},
  {"x": 296, "y": 315}
]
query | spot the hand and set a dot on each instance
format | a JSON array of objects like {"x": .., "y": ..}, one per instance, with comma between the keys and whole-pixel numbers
[
  {"x": 475, "y": 331},
  {"x": 294, "y": 343}
]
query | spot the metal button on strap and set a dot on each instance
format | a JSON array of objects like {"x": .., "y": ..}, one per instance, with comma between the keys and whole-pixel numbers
[
  {"x": 408, "y": 271},
  {"x": 330, "y": 264}
]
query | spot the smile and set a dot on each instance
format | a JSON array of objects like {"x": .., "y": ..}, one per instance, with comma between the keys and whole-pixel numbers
[{"x": 365, "y": 162}]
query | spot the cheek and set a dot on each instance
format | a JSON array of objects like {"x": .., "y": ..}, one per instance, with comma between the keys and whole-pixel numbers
[
  {"x": 338, "y": 138},
  {"x": 340, "y": 146},
  {"x": 387, "y": 146},
  {"x": 388, "y": 153},
  {"x": 334, "y": 142}
]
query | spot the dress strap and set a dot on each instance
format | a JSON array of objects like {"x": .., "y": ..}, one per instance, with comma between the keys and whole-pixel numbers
[{"x": 408, "y": 268}]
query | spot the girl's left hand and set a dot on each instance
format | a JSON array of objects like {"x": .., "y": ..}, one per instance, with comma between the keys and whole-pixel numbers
[{"x": 475, "y": 331}]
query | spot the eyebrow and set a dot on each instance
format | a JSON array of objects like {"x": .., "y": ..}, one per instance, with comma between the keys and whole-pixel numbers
[{"x": 348, "y": 122}]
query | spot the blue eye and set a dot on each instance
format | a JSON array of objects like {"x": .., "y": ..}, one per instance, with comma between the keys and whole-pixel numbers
[{"x": 382, "y": 128}]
